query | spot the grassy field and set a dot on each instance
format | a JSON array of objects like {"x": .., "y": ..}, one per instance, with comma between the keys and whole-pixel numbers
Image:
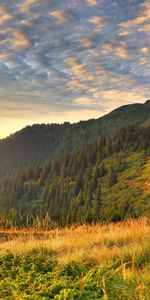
[{"x": 84, "y": 262}]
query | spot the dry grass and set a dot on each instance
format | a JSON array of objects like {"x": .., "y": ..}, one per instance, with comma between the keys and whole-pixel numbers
[
  {"x": 82, "y": 262},
  {"x": 93, "y": 243}
]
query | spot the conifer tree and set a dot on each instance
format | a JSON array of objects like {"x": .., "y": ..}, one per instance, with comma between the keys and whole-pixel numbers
[{"x": 97, "y": 203}]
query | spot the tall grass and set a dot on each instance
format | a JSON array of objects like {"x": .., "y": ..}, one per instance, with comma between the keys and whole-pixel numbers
[
  {"x": 97, "y": 243},
  {"x": 91, "y": 261}
]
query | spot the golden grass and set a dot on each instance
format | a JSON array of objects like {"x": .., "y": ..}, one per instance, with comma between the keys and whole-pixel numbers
[{"x": 93, "y": 243}]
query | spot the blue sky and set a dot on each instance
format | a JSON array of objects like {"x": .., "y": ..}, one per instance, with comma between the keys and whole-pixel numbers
[{"x": 64, "y": 60}]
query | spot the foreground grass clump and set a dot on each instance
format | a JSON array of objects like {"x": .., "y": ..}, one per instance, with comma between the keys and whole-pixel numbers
[{"x": 86, "y": 262}]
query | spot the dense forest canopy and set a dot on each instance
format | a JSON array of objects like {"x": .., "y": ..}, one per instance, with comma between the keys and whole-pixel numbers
[{"x": 105, "y": 180}]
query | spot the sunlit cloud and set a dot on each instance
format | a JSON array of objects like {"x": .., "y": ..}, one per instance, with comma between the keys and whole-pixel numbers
[
  {"x": 3, "y": 56},
  {"x": 86, "y": 42},
  {"x": 19, "y": 40},
  {"x": 25, "y": 6},
  {"x": 121, "y": 52},
  {"x": 59, "y": 16},
  {"x": 134, "y": 22},
  {"x": 77, "y": 69},
  {"x": 98, "y": 22},
  {"x": 71, "y": 60},
  {"x": 91, "y": 2},
  {"x": 144, "y": 28},
  {"x": 107, "y": 48},
  {"x": 125, "y": 32},
  {"x": 139, "y": 20},
  {"x": 5, "y": 16},
  {"x": 83, "y": 101},
  {"x": 145, "y": 50},
  {"x": 114, "y": 97}
]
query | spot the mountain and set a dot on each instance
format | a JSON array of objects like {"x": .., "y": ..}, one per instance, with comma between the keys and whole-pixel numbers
[
  {"x": 147, "y": 103},
  {"x": 107, "y": 180},
  {"x": 38, "y": 143}
]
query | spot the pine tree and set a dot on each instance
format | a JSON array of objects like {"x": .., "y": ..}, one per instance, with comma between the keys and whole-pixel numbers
[
  {"x": 97, "y": 203},
  {"x": 102, "y": 171},
  {"x": 78, "y": 184},
  {"x": 112, "y": 178}
]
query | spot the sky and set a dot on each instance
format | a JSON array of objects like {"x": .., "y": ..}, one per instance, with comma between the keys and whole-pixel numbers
[{"x": 71, "y": 60}]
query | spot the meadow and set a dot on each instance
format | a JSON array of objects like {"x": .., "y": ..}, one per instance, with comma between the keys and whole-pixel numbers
[{"x": 109, "y": 262}]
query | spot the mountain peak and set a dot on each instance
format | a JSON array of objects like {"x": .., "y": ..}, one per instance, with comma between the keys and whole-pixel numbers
[
  {"x": 147, "y": 103},
  {"x": 39, "y": 143}
]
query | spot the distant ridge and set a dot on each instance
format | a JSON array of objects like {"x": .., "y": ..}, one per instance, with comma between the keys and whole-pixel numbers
[
  {"x": 147, "y": 103},
  {"x": 38, "y": 143}
]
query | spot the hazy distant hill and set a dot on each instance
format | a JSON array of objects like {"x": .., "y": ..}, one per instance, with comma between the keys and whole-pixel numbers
[{"x": 38, "y": 143}]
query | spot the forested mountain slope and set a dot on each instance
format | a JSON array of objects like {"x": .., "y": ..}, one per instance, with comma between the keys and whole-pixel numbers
[
  {"x": 38, "y": 143},
  {"x": 106, "y": 180}
]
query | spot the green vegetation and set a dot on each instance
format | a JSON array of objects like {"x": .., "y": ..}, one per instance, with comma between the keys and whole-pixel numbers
[
  {"x": 98, "y": 172},
  {"x": 38, "y": 143},
  {"x": 108, "y": 262},
  {"x": 108, "y": 180}
]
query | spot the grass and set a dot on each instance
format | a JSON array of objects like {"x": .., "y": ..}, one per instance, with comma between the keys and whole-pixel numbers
[{"x": 83, "y": 262}]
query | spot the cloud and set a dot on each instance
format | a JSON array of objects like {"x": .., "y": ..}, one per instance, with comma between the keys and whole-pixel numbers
[
  {"x": 60, "y": 60},
  {"x": 134, "y": 22},
  {"x": 86, "y": 42},
  {"x": 26, "y": 5},
  {"x": 98, "y": 21},
  {"x": 20, "y": 40},
  {"x": 59, "y": 16},
  {"x": 4, "y": 56},
  {"x": 107, "y": 48},
  {"x": 77, "y": 69},
  {"x": 139, "y": 20},
  {"x": 120, "y": 49},
  {"x": 121, "y": 52},
  {"x": 145, "y": 50},
  {"x": 76, "y": 85},
  {"x": 83, "y": 101},
  {"x": 5, "y": 16},
  {"x": 144, "y": 28},
  {"x": 117, "y": 97},
  {"x": 91, "y": 2},
  {"x": 125, "y": 32}
]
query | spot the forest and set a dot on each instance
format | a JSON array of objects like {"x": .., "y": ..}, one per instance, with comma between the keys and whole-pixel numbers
[
  {"x": 107, "y": 180},
  {"x": 35, "y": 144}
]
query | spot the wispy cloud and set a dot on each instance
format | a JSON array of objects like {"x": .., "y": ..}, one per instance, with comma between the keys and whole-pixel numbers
[
  {"x": 92, "y": 2},
  {"x": 5, "y": 16},
  {"x": 59, "y": 16},
  {"x": 64, "y": 60},
  {"x": 26, "y": 5}
]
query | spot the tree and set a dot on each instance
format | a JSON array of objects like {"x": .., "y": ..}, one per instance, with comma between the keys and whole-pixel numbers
[
  {"x": 112, "y": 178},
  {"x": 102, "y": 170},
  {"x": 97, "y": 203},
  {"x": 78, "y": 184}
]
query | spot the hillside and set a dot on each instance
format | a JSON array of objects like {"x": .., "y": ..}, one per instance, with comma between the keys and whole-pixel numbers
[
  {"x": 104, "y": 181},
  {"x": 38, "y": 143}
]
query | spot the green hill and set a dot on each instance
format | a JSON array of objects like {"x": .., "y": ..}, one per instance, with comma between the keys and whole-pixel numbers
[
  {"x": 108, "y": 180},
  {"x": 38, "y": 143}
]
